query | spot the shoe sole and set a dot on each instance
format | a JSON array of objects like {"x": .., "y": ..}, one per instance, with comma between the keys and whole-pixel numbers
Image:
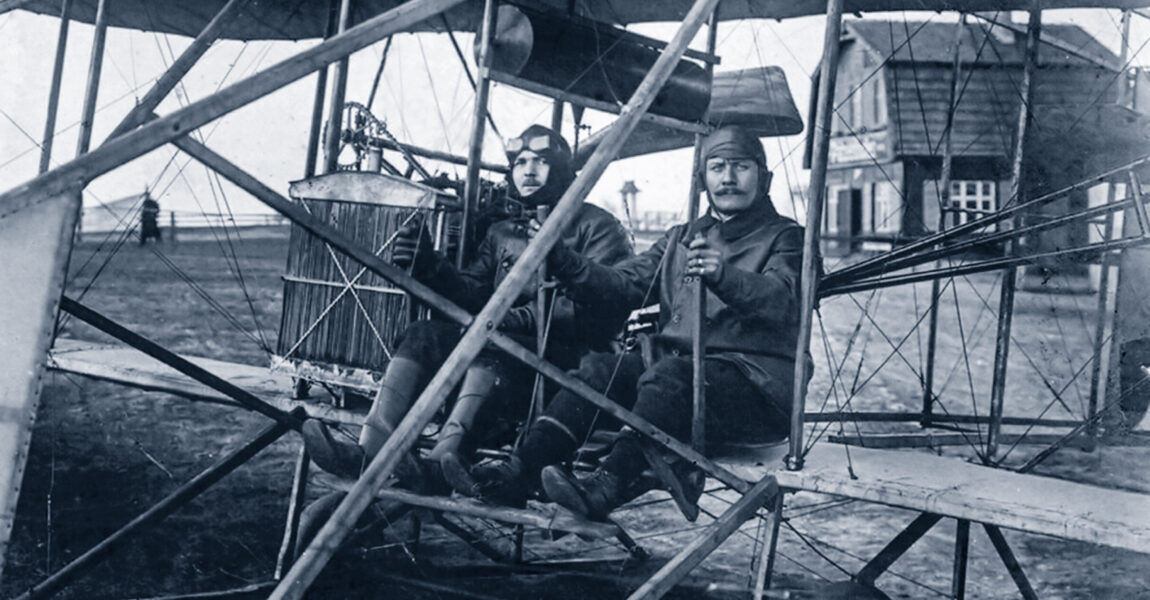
[{"x": 564, "y": 492}]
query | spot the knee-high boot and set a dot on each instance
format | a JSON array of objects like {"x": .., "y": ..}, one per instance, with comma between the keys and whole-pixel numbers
[
  {"x": 398, "y": 391},
  {"x": 478, "y": 385}
]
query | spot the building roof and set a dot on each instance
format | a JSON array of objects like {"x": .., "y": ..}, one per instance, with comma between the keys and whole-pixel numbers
[{"x": 931, "y": 42}]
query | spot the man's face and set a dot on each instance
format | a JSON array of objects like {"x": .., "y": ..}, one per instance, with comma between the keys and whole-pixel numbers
[
  {"x": 733, "y": 184},
  {"x": 529, "y": 172}
]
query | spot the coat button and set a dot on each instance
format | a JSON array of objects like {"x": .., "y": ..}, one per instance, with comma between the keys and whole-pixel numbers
[{"x": 676, "y": 319}]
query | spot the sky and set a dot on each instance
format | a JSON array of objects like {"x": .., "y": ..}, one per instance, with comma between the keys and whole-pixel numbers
[{"x": 424, "y": 98}]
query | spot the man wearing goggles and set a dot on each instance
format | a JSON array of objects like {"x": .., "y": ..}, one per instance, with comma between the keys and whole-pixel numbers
[
  {"x": 749, "y": 258},
  {"x": 541, "y": 170}
]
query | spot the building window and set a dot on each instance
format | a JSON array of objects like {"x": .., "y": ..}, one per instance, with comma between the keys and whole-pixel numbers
[
  {"x": 887, "y": 207},
  {"x": 878, "y": 93},
  {"x": 967, "y": 196}
]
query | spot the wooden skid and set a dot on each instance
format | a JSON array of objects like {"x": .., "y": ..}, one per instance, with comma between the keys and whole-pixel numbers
[
  {"x": 550, "y": 518},
  {"x": 35, "y": 242}
]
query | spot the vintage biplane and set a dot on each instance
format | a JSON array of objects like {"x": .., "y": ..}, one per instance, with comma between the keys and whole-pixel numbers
[{"x": 665, "y": 95}]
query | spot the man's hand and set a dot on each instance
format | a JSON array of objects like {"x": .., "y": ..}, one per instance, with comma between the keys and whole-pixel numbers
[
  {"x": 704, "y": 261},
  {"x": 412, "y": 248},
  {"x": 561, "y": 259}
]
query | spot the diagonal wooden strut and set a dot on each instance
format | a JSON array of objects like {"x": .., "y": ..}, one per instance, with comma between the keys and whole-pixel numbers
[
  {"x": 171, "y": 77},
  {"x": 143, "y": 344},
  {"x": 336, "y": 529},
  {"x": 1008, "y": 559},
  {"x": 151, "y": 136},
  {"x": 168, "y": 505},
  {"x": 897, "y": 547},
  {"x": 706, "y": 542}
]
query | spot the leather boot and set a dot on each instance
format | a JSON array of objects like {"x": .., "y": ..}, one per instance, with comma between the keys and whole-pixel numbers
[
  {"x": 340, "y": 458},
  {"x": 477, "y": 387},
  {"x": 593, "y": 496},
  {"x": 500, "y": 482},
  {"x": 397, "y": 392}
]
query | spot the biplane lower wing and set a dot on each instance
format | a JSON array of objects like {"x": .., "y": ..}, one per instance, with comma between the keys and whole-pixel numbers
[
  {"x": 122, "y": 364},
  {"x": 35, "y": 242},
  {"x": 952, "y": 487},
  {"x": 912, "y": 480}
]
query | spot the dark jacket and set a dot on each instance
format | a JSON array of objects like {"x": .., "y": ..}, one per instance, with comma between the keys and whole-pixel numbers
[
  {"x": 594, "y": 234},
  {"x": 752, "y": 312}
]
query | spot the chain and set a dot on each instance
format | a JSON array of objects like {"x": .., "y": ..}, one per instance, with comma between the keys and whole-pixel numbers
[{"x": 376, "y": 126}]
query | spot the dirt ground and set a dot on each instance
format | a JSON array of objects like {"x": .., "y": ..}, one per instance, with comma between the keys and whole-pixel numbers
[{"x": 102, "y": 453}]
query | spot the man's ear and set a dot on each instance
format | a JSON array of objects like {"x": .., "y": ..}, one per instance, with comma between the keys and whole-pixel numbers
[{"x": 767, "y": 177}]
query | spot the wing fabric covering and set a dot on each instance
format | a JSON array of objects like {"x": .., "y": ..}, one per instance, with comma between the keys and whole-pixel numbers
[
  {"x": 35, "y": 242},
  {"x": 303, "y": 19}
]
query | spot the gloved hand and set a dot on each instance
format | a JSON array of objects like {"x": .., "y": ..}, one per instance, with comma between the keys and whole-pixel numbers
[
  {"x": 412, "y": 248},
  {"x": 562, "y": 260}
]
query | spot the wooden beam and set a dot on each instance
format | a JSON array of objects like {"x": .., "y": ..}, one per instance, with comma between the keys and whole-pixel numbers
[
  {"x": 961, "y": 551},
  {"x": 195, "y": 115},
  {"x": 335, "y": 103},
  {"x": 54, "y": 90},
  {"x": 295, "y": 511},
  {"x": 180, "y": 67},
  {"x": 95, "y": 66},
  {"x": 955, "y": 488},
  {"x": 897, "y": 547},
  {"x": 316, "y": 129},
  {"x": 479, "y": 115},
  {"x": 710, "y": 538},
  {"x": 698, "y": 334},
  {"x": 1010, "y": 274},
  {"x": 1008, "y": 559},
  {"x": 809, "y": 275},
  {"x": 558, "y": 520},
  {"x": 943, "y": 201},
  {"x": 473, "y": 341},
  {"x": 939, "y": 439},
  {"x": 159, "y": 511}
]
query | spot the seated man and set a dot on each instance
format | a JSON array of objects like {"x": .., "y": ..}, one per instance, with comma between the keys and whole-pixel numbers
[
  {"x": 750, "y": 260},
  {"x": 541, "y": 170}
]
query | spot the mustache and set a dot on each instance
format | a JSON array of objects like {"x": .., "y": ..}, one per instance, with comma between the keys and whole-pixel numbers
[{"x": 729, "y": 191}]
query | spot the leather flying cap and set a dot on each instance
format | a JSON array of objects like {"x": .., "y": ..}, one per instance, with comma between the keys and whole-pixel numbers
[
  {"x": 550, "y": 145},
  {"x": 733, "y": 141},
  {"x": 542, "y": 141}
]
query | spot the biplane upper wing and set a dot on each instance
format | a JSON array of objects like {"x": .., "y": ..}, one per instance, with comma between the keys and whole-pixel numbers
[{"x": 304, "y": 19}]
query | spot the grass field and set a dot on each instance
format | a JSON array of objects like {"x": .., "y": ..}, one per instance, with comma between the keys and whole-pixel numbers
[{"x": 102, "y": 453}]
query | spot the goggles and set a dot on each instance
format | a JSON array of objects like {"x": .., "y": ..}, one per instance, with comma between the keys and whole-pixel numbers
[{"x": 537, "y": 143}]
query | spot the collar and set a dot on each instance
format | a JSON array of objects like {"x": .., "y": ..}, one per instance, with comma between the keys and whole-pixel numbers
[{"x": 737, "y": 226}]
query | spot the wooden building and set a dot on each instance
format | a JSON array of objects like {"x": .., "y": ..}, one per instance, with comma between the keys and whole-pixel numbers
[{"x": 892, "y": 95}]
